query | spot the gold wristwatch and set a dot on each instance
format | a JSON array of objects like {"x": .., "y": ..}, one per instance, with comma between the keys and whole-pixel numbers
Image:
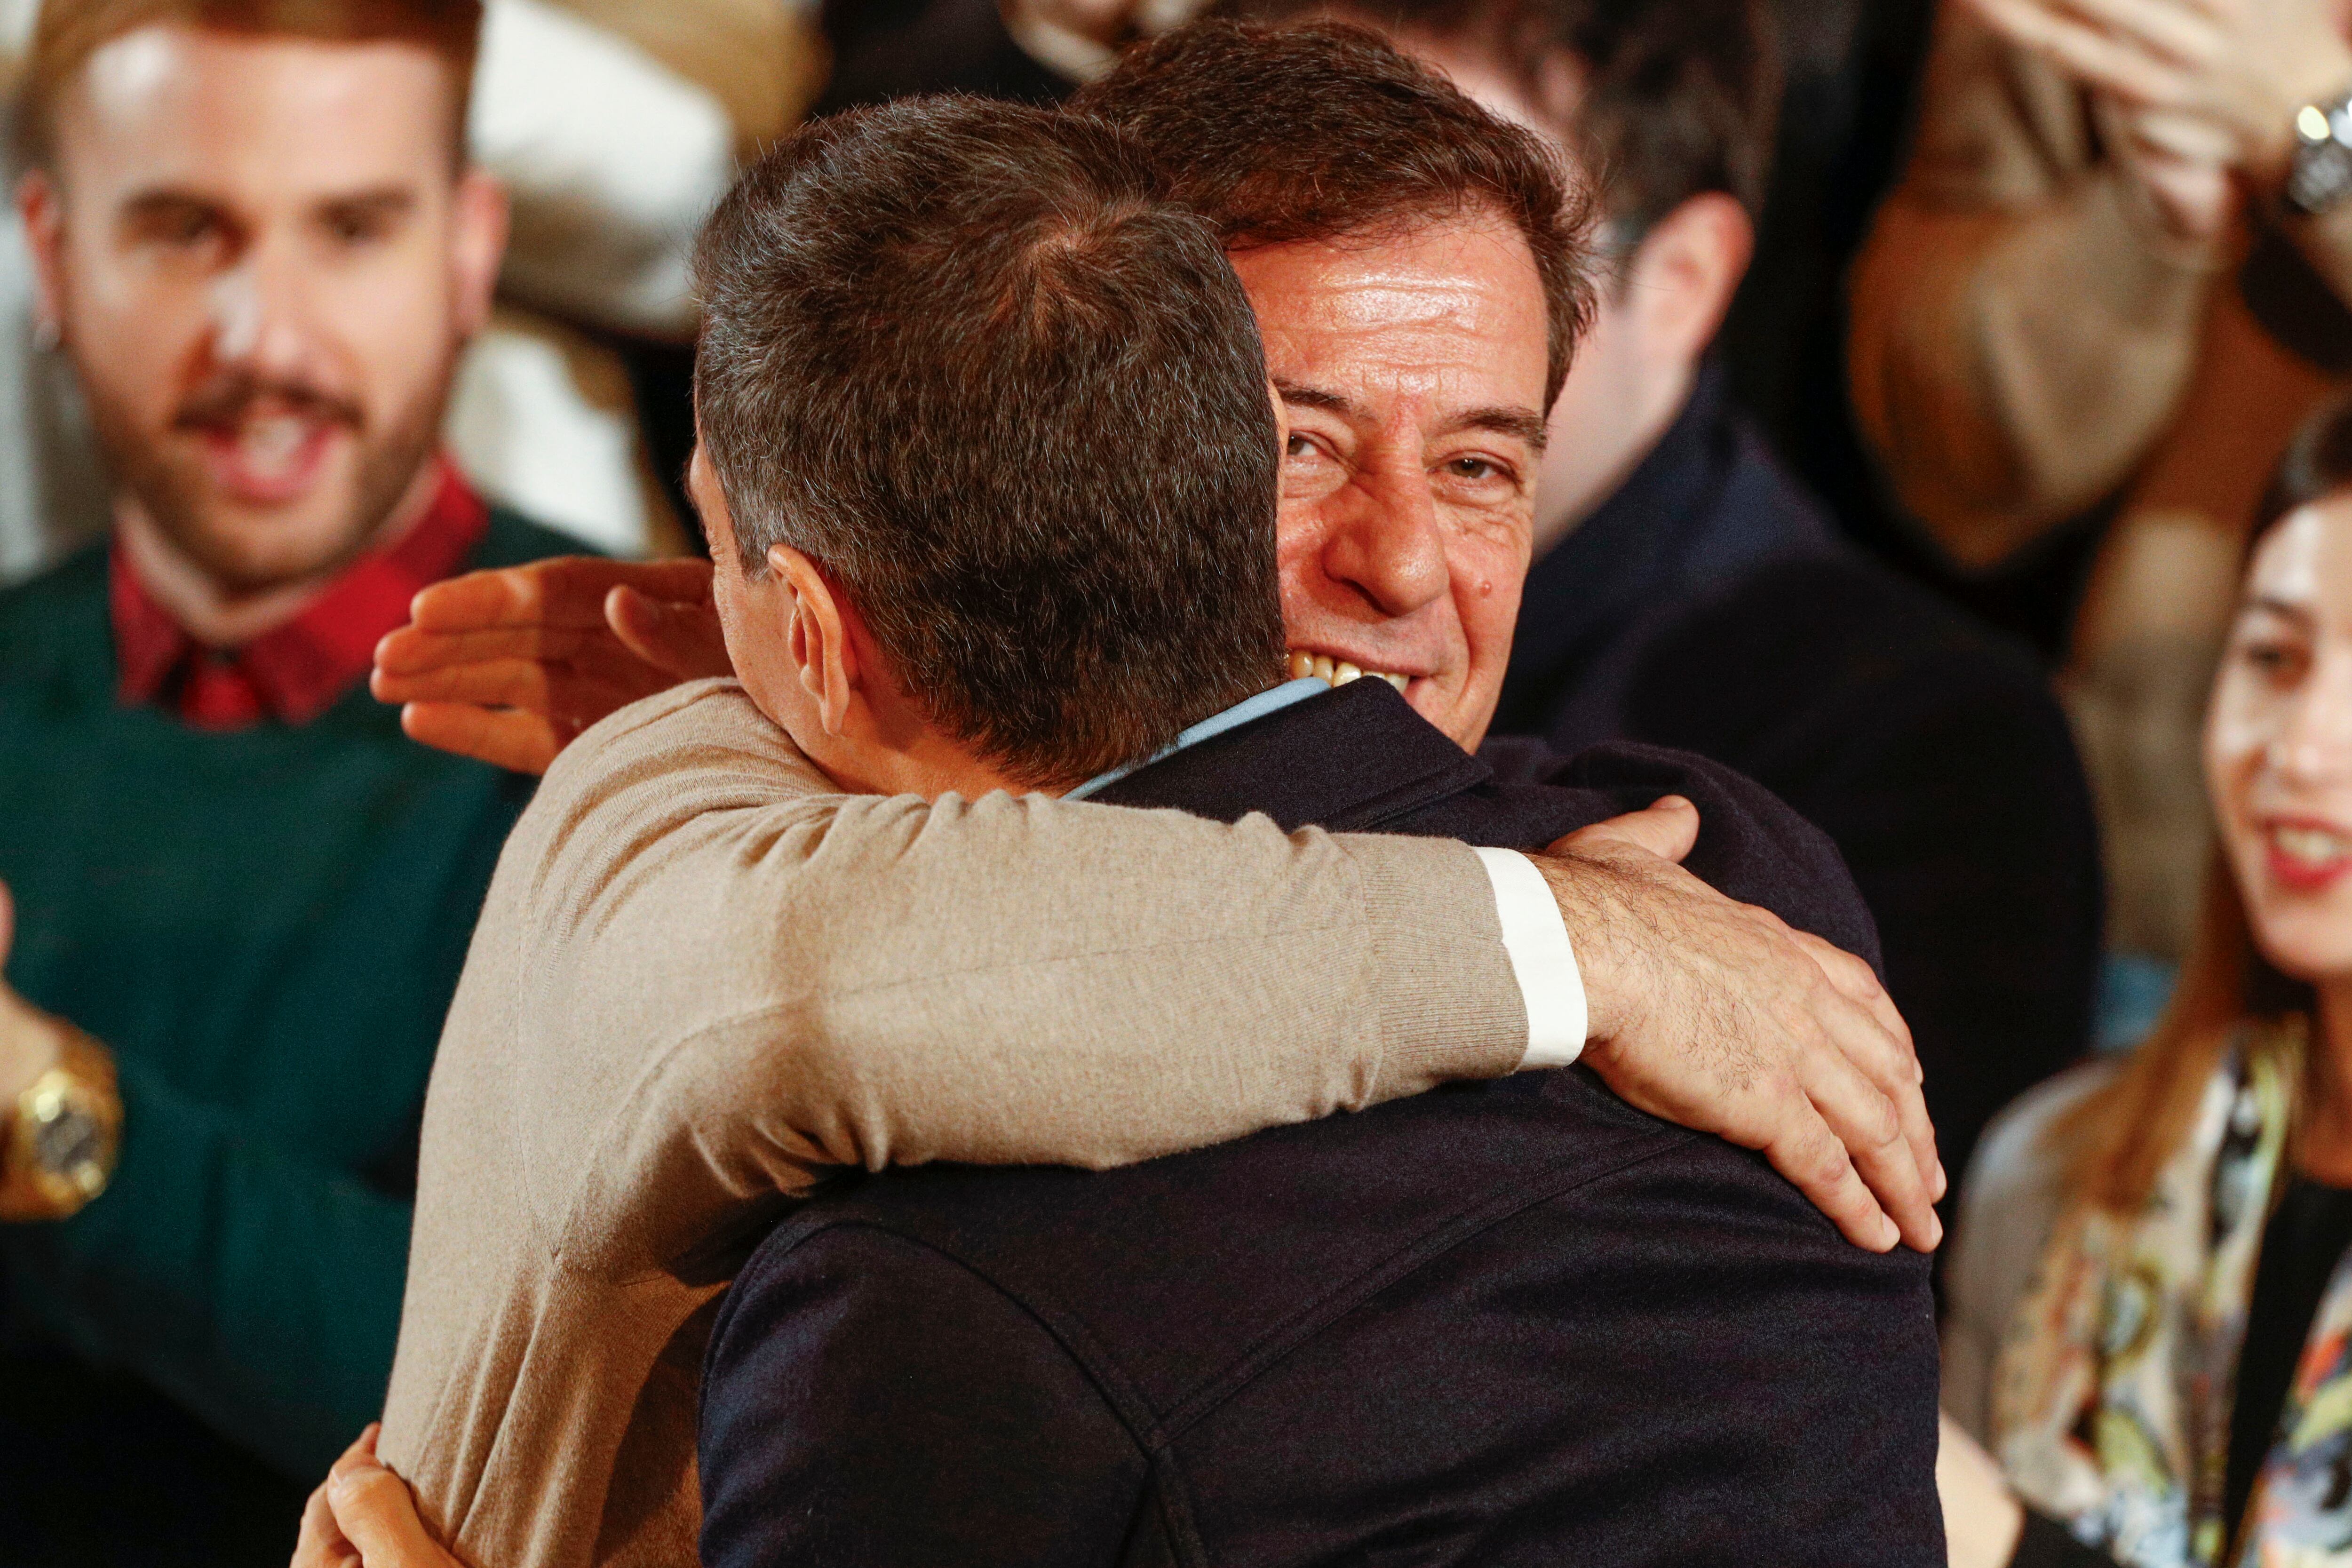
[{"x": 60, "y": 1141}]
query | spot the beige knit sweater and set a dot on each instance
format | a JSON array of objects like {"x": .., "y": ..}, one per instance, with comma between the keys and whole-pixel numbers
[{"x": 703, "y": 979}]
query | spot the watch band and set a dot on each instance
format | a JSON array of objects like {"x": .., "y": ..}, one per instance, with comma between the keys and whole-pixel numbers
[
  {"x": 2320, "y": 177},
  {"x": 59, "y": 1141}
]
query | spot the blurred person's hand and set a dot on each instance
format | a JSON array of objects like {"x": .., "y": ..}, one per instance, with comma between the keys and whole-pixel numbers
[
  {"x": 1102, "y": 21},
  {"x": 2181, "y": 167},
  {"x": 31, "y": 1041},
  {"x": 1982, "y": 1518},
  {"x": 1716, "y": 1015},
  {"x": 2242, "y": 67},
  {"x": 509, "y": 666},
  {"x": 362, "y": 1516}
]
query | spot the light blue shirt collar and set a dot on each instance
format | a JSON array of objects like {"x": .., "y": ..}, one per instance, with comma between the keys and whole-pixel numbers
[{"x": 1234, "y": 718}]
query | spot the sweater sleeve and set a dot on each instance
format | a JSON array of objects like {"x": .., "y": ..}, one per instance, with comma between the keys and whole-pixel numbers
[
  {"x": 859, "y": 981},
  {"x": 2020, "y": 335},
  {"x": 260, "y": 1290}
]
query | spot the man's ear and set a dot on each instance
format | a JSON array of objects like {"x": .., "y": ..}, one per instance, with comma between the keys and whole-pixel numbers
[
  {"x": 1689, "y": 266},
  {"x": 820, "y": 640},
  {"x": 480, "y": 213},
  {"x": 41, "y": 207}
]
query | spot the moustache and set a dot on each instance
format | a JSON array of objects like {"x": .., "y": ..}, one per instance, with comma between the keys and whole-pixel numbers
[{"x": 227, "y": 400}]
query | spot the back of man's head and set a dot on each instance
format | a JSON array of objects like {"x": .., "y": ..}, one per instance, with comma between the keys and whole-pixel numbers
[
  {"x": 1325, "y": 131},
  {"x": 1662, "y": 99},
  {"x": 70, "y": 32},
  {"x": 1014, "y": 408}
]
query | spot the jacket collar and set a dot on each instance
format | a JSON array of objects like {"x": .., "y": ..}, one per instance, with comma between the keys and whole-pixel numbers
[{"x": 1349, "y": 761}]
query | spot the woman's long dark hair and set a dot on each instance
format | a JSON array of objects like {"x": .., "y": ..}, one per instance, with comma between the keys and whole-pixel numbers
[{"x": 2124, "y": 1134}]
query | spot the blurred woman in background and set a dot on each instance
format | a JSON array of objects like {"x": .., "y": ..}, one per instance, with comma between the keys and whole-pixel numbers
[{"x": 2148, "y": 1307}]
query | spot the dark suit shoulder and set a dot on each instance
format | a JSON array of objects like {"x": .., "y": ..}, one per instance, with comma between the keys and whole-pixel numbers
[
  {"x": 870, "y": 1400},
  {"x": 1296, "y": 1221},
  {"x": 1528, "y": 1270}
]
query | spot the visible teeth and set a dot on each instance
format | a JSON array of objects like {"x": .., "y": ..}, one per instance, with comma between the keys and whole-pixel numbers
[
  {"x": 272, "y": 442},
  {"x": 2315, "y": 844},
  {"x": 1336, "y": 672}
]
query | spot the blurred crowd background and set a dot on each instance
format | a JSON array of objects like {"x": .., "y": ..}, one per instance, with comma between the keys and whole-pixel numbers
[{"x": 1996, "y": 336}]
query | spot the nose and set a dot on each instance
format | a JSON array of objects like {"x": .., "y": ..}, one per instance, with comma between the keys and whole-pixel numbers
[
  {"x": 261, "y": 317},
  {"x": 1384, "y": 543},
  {"x": 2314, "y": 743}
]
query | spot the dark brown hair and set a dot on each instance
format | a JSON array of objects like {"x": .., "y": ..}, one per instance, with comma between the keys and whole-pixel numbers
[
  {"x": 1014, "y": 408},
  {"x": 70, "y": 31},
  {"x": 2125, "y": 1133},
  {"x": 1674, "y": 97},
  {"x": 1325, "y": 131}
]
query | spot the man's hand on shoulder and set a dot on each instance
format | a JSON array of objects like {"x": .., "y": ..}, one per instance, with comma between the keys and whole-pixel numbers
[
  {"x": 1717, "y": 1015},
  {"x": 362, "y": 1516},
  {"x": 509, "y": 666}
]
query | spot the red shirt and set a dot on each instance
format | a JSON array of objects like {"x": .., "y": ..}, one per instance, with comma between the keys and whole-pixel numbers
[{"x": 296, "y": 672}]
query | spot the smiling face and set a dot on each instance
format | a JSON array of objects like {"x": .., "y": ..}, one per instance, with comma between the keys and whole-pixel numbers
[
  {"x": 2278, "y": 744},
  {"x": 262, "y": 262},
  {"x": 1411, "y": 373}
]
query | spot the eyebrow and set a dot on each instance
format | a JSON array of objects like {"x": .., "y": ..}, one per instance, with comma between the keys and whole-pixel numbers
[
  {"x": 2282, "y": 608},
  {"x": 168, "y": 199},
  {"x": 1520, "y": 423},
  {"x": 385, "y": 201}
]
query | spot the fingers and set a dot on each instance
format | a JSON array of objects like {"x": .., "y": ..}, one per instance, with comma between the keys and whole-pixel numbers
[
  {"x": 681, "y": 640},
  {"x": 1667, "y": 828},
  {"x": 412, "y": 650},
  {"x": 1867, "y": 1121},
  {"x": 1858, "y": 980},
  {"x": 1814, "y": 1159},
  {"x": 8, "y": 922},
  {"x": 512, "y": 739},
  {"x": 2178, "y": 34},
  {"x": 1886, "y": 1054},
  {"x": 373, "y": 1510},
  {"x": 568, "y": 591},
  {"x": 320, "y": 1542},
  {"x": 2094, "y": 56}
]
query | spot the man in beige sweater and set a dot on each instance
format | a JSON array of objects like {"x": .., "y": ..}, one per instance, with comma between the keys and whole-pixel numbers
[{"x": 549, "y": 1343}]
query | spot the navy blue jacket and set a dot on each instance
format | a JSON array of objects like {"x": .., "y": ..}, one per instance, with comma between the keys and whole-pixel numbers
[
  {"x": 1502, "y": 1323},
  {"x": 1709, "y": 607}
]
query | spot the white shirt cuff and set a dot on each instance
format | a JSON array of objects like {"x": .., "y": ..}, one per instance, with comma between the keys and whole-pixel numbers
[{"x": 1536, "y": 940}]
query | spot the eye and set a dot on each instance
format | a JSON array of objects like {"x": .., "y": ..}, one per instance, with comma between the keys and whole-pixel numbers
[
  {"x": 1474, "y": 468},
  {"x": 2278, "y": 658}
]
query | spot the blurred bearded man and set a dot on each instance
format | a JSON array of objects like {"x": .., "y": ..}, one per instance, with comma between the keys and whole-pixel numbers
[{"x": 241, "y": 898}]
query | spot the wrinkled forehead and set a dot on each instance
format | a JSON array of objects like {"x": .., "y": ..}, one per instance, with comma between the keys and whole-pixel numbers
[
  {"x": 1458, "y": 301},
  {"x": 257, "y": 116}
]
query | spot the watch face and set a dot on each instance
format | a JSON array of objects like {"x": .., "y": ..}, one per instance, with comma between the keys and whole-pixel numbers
[{"x": 70, "y": 1143}]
